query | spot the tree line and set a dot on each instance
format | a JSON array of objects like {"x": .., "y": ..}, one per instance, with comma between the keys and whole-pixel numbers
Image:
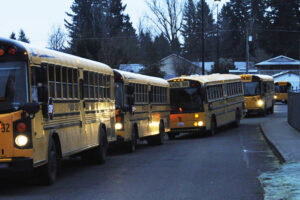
[{"x": 101, "y": 31}]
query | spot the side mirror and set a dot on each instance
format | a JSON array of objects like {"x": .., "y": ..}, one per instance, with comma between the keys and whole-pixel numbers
[{"x": 32, "y": 108}]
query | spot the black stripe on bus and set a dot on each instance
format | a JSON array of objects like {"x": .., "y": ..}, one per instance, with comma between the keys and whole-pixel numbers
[
  {"x": 137, "y": 119},
  {"x": 79, "y": 123},
  {"x": 66, "y": 101},
  {"x": 66, "y": 114}
]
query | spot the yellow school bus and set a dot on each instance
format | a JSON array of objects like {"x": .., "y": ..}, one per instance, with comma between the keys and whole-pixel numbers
[
  {"x": 203, "y": 103},
  {"x": 142, "y": 108},
  {"x": 52, "y": 105},
  {"x": 281, "y": 91},
  {"x": 259, "y": 93}
]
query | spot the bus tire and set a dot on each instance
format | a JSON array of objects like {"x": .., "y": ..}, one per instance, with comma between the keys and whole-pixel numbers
[
  {"x": 272, "y": 109},
  {"x": 131, "y": 145},
  {"x": 213, "y": 127},
  {"x": 171, "y": 136},
  {"x": 237, "y": 118},
  {"x": 160, "y": 138},
  {"x": 100, "y": 152},
  {"x": 50, "y": 170}
]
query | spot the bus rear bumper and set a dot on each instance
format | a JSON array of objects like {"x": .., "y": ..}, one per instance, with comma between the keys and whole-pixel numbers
[{"x": 16, "y": 165}]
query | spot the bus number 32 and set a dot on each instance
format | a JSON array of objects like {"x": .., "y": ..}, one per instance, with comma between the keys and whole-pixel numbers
[{"x": 4, "y": 127}]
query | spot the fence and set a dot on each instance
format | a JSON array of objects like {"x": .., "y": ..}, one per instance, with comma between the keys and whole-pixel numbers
[{"x": 294, "y": 109}]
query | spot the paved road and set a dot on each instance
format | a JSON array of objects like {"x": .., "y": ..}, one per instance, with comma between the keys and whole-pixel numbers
[{"x": 225, "y": 166}]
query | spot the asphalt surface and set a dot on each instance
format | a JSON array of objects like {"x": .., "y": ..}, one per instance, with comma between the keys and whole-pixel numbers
[{"x": 225, "y": 166}]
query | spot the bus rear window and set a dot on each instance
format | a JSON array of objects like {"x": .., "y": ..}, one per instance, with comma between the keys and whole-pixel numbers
[{"x": 186, "y": 100}]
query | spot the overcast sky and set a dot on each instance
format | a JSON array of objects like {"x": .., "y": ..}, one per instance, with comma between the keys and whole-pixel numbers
[{"x": 37, "y": 17}]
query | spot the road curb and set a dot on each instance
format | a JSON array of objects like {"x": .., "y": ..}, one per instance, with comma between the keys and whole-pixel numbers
[{"x": 273, "y": 146}]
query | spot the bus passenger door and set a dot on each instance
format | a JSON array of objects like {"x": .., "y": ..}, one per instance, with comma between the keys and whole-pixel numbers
[{"x": 82, "y": 108}]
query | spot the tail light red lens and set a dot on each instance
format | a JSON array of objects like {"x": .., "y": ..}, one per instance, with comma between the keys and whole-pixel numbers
[{"x": 21, "y": 127}]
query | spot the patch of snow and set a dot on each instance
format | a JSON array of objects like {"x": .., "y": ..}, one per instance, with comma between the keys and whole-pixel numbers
[{"x": 283, "y": 183}]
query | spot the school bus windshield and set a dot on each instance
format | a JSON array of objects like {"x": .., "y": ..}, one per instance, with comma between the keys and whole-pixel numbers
[
  {"x": 12, "y": 85},
  {"x": 189, "y": 100},
  {"x": 251, "y": 88}
]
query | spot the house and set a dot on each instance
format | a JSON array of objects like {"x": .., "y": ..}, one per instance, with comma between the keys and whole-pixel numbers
[
  {"x": 131, "y": 67},
  {"x": 289, "y": 76},
  {"x": 174, "y": 65},
  {"x": 277, "y": 65},
  {"x": 240, "y": 68}
]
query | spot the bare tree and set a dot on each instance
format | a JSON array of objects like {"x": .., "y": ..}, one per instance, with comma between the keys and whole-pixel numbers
[
  {"x": 168, "y": 14},
  {"x": 57, "y": 39}
]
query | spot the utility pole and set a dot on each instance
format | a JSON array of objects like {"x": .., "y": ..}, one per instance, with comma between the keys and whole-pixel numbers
[
  {"x": 218, "y": 37},
  {"x": 247, "y": 49},
  {"x": 202, "y": 35}
]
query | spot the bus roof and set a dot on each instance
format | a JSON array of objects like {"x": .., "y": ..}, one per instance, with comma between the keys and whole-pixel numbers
[
  {"x": 37, "y": 55},
  {"x": 142, "y": 79},
  {"x": 259, "y": 76},
  {"x": 212, "y": 78}
]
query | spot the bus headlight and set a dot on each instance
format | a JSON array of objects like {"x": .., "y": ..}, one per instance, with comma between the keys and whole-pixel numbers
[
  {"x": 260, "y": 103},
  {"x": 119, "y": 126},
  {"x": 200, "y": 123},
  {"x": 275, "y": 97},
  {"x": 21, "y": 140}
]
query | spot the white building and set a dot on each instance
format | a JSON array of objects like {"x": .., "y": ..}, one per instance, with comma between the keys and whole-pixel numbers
[{"x": 289, "y": 76}]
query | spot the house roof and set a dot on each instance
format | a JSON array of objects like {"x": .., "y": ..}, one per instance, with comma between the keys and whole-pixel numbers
[
  {"x": 186, "y": 60},
  {"x": 279, "y": 60},
  {"x": 283, "y": 73}
]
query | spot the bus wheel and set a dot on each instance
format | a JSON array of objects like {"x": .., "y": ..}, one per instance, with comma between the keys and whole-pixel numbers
[
  {"x": 50, "y": 169},
  {"x": 160, "y": 138},
  {"x": 132, "y": 144},
  {"x": 99, "y": 153},
  {"x": 171, "y": 136},
  {"x": 213, "y": 127},
  {"x": 272, "y": 109},
  {"x": 237, "y": 118}
]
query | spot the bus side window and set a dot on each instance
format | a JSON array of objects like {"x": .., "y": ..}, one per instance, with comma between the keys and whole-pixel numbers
[
  {"x": 64, "y": 82},
  {"x": 70, "y": 83},
  {"x": 58, "y": 81},
  {"x": 96, "y": 85},
  {"x": 39, "y": 84},
  {"x": 85, "y": 85},
  {"x": 91, "y": 84},
  {"x": 51, "y": 80},
  {"x": 100, "y": 86},
  {"x": 75, "y": 81}
]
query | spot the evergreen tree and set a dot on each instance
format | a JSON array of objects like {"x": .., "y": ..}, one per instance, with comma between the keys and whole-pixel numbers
[
  {"x": 282, "y": 35},
  {"x": 150, "y": 57},
  {"x": 192, "y": 28},
  {"x": 22, "y": 37},
  {"x": 162, "y": 46},
  {"x": 189, "y": 31},
  {"x": 99, "y": 30},
  {"x": 13, "y": 36},
  {"x": 233, "y": 20}
]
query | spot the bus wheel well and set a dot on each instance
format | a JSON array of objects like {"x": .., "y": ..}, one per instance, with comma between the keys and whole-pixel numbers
[
  {"x": 103, "y": 127},
  {"x": 161, "y": 124},
  {"x": 136, "y": 130},
  {"x": 56, "y": 139}
]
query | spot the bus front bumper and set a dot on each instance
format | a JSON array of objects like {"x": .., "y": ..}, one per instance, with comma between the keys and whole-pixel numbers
[
  {"x": 16, "y": 165},
  {"x": 176, "y": 131}
]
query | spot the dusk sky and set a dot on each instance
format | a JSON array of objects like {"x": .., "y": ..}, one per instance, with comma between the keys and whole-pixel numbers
[{"x": 37, "y": 17}]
